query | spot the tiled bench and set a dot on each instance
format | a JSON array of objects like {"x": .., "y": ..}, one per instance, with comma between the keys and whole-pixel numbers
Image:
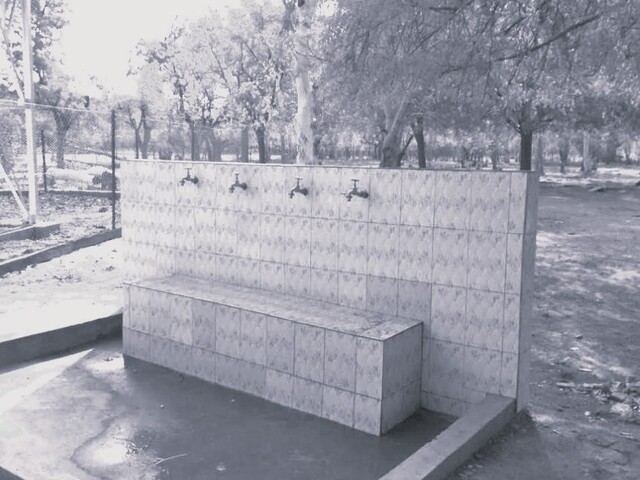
[{"x": 357, "y": 368}]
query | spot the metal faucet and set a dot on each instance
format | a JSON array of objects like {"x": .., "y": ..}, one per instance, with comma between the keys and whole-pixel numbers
[
  {"x": 355, "y": 193},
  {"x": 189, "y": 178},
  {"x": 237, "y": 184},
  {"x": 303, "y": 191}
]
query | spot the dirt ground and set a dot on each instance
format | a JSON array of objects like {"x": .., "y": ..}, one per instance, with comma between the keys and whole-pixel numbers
[
  {"x": 80, "y": 216},
  {"x": 584, "y": 420}
]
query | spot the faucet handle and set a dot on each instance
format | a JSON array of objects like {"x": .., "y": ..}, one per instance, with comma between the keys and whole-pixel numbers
[
  {"x": 355, "y": 182},
  {"x": 188, "y": 172}
]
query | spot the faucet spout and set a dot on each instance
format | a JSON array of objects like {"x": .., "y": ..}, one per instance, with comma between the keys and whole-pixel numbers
[
  {"x": 297, "y": 189},
  {"x": 237, "y": 184},
  {"x": 189, "y": 178},
  {"x": 354, "y": 192}
]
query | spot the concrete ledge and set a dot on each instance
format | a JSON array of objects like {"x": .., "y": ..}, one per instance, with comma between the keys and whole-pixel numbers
[
  {"x": 33, "y": 232},
  {"x": 47, "y": 254},
  {"x": 58, "y": 340},
  {"x": 440, "y": 457}
]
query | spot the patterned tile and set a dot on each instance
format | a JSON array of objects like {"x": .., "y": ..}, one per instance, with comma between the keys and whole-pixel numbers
[
  {"x": 298, "y": 205},
  {"x": 272, "y": 276},
  {"x": 352, "y": 247},
  {"x": 249, "y": 200},
  {"x": 369, "y": 356},
  {"x": 509, "y": 375},
  {"x": 160, "y": 320},
  {"x": 453, "y": 199},
  {"x": 180, "y": 358},
  {"x": 512, "y": 331},
  {"x": 485, "y": 311},
  {"x": 145, "y": 176},
  {"x": 382, "y": 250},
  {"x": 181, "y": 327},
  {"x": 279, "y": 344},
  {"x": 205, "y": 265},
  {"x": 272, "y": 243},
  {"x": 367, "y": 414},
  {"x": 402, "y": 362},
  {"x": 297, "y": 281},
  {"x": 414, "y": 301},
  {"x": 450, "y": 257},
  {"x": 204, "y": 364},
  {"x": 135, "y": 344},
  {"x": 253, "y": 332},
  {"x": 279, "y": 387},
  {"x": 482, "y": 369},
  {"x": 418, "y": 198},
  {"x": 524, "y": 372},
  {"x": 489, "y": 201},
  {"x": 324, "y": 285},
  {"x": 249, "y": 236},
  {"x": 204, "y": 324},
  {"x": 337, "y": 405},
  {"x": 358, "y": 208},
  {"x": 165, "y": 183},
  {"x": 298, "y": 241},
  {"x": 205, "y": 229},
  {"x": 531, "y": 210},
  {"x": 415, "y": 253},
  {"x": 140, "y": 309},
  {"x": 448, "y": 314},
  {"x": 325, "y": 194},
  {"x": 309, "y": 352},
  {"x": 352, "y": 290},
  {"x": 228, "y": 331},
  {"x": 226, "y": 200},
  {"x": 227, "y": 371},
  {"x": 517, "y": 202},
  {"x": 160, "y": 352},
  {"x": 248, "y": 273},
  {"x": 382, "y": 295},
  {"x": 252, "y": 378},
  {"x": 514, "y": 263},
  {"x": 207, "y": 188},
  {"x": 186, "y": 194},
  {"x": 446, "y": 366},
  {"x": 384, "y": 196},
  {"x": 487, "y": 258},
  {"x": 226, "y": 268},
  {"x": 226, "y": 232},
  {"x": 324, "y": 244},
  {"x": 391, "y": 411},
  {"x": 272, "y": 189},
  {"x": 307, "y": 396},
  {"x": 164, "y": 228},
  {"x": 340, "y": 360}
]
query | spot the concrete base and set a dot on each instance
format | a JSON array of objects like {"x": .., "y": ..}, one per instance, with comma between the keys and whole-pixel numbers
[
  {"x": 47, "y": 254},
  {"x": 440, "y": 457},
  {"x": 33, "y": 232}
]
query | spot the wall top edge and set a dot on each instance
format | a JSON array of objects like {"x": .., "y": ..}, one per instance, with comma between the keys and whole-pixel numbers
[{"x": 351, "y": 167}]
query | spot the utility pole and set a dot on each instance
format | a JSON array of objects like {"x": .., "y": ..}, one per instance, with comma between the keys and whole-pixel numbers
[{"x": 27, "y": 57}]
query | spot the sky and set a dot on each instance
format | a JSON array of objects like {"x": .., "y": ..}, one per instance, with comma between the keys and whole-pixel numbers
[{"x": 101, "y": 36}]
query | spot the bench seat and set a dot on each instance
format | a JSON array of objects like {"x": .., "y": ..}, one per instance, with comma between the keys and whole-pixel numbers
[{"x": 357, "y": 368}]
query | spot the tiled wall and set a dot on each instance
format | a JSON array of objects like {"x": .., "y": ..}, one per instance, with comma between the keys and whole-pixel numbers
[{"x": 453, "y": 249}]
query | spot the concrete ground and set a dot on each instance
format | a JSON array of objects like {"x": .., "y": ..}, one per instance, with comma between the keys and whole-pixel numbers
[{"x": 93, "y": 414}]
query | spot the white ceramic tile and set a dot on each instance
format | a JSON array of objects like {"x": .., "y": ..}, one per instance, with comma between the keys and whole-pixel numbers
[
  {"x": 248, "y": 273},
  {"x": 326, "y": 192},
  {"x": 309, "y": 352},
  {"x": 279, "y": 344},
  {"x": 485, "y": 312},
  {"x": 369, "y": 358},
  {"x": 358, "y": 208},
  {"x": 165, "y": 183},
  {"x": 367, "y": 414},
  {"x": 487, "y": 259},
  {"x": 180, "y": 358},
  {"x": 337, "y": 405},
  {"x": 452, "y": 199},
  {"x": 204, "y": 364},
  {"x": 384, "y": 196},
  {"x": 207, "y": 188},
  {"x": 297, "y": 281},
  {"x": 227, "y": 371},
  {"x": 340, "y": 360},
  {"x": 446, "y": 367},
  {"x": 391, "y": 411},
  {"x": 272, "y": 243},
  {"x": 279, "y": 387},
  {"x": 513, "y": 279},
  {"x": 418, "y": 198},
  {"x": 489, "y": 201},
  {"x": 205, "y": 229},
  {"x": 298, "y": 205},
  {"x": 324, "y": 244},
  {"x": 512, "y": 330},
  {"x": 524, "y": 372},
  {"x": 253, "y": 332},
  {"x": 249, "y": 236},
  {"x": 181, "y": 326},
  {"x": 517, "y": 202},
  {"x": 226, "y": 232},
  {"x": 298, "y": 241},
  {"x": 307, "y": 396},
  {"x": 252, "y": 378},
  {"x": 482, "y": 369},
  {"x": 135, "y": 344},
  {"x": 249, "y": 200},
  {"x": 352, "y": 290},
  {"x": 324, "y": 285},
  {"x": 531, "y": 210},
  {"x": 450, "y": 257},
  {"x": 272, "y": 189},
  {"x": 382, "y": 250},
  {"x": 228, "y": 331},
  {"x": 382, "y": 295},
  {"x": 204, "y": 324},
  {"x": 448, "y": 314},
  {"x": 415, "y": 253},
  {"x": 352, "y": 247},
  {"x": 272, "y": 276},
  {"x": 414, "y": 301},
  {"x": 509, "y": 375}
]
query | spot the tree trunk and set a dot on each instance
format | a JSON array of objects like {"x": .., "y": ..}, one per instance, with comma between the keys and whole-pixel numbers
[
  {"x": 540, "y": 155},
  {"x": 526, "y": 147},
  {"x": 283, "y": 150},
  {"x": 392, "y": 151},
  {"x": 304, "y": 114},
  {"x": 136, "y": 134},
  {"x": 587, "y": 161},
  {"x": 146, "y": 133},
  {"x": 61, "y": 146},
  {"x": 244, "y": 145},
  {"x": 262, "y": 148},
  {"x": 563, "y": 150},
  {"x": 418, "y": 133}
]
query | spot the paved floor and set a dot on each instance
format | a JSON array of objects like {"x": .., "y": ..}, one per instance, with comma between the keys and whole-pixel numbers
[{"x": 93, "y": 414}]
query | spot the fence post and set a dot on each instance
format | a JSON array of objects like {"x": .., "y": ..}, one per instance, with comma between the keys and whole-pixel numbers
[
  {"x": 44, "y": 161},
  {"x": 113, "y": 169}
]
